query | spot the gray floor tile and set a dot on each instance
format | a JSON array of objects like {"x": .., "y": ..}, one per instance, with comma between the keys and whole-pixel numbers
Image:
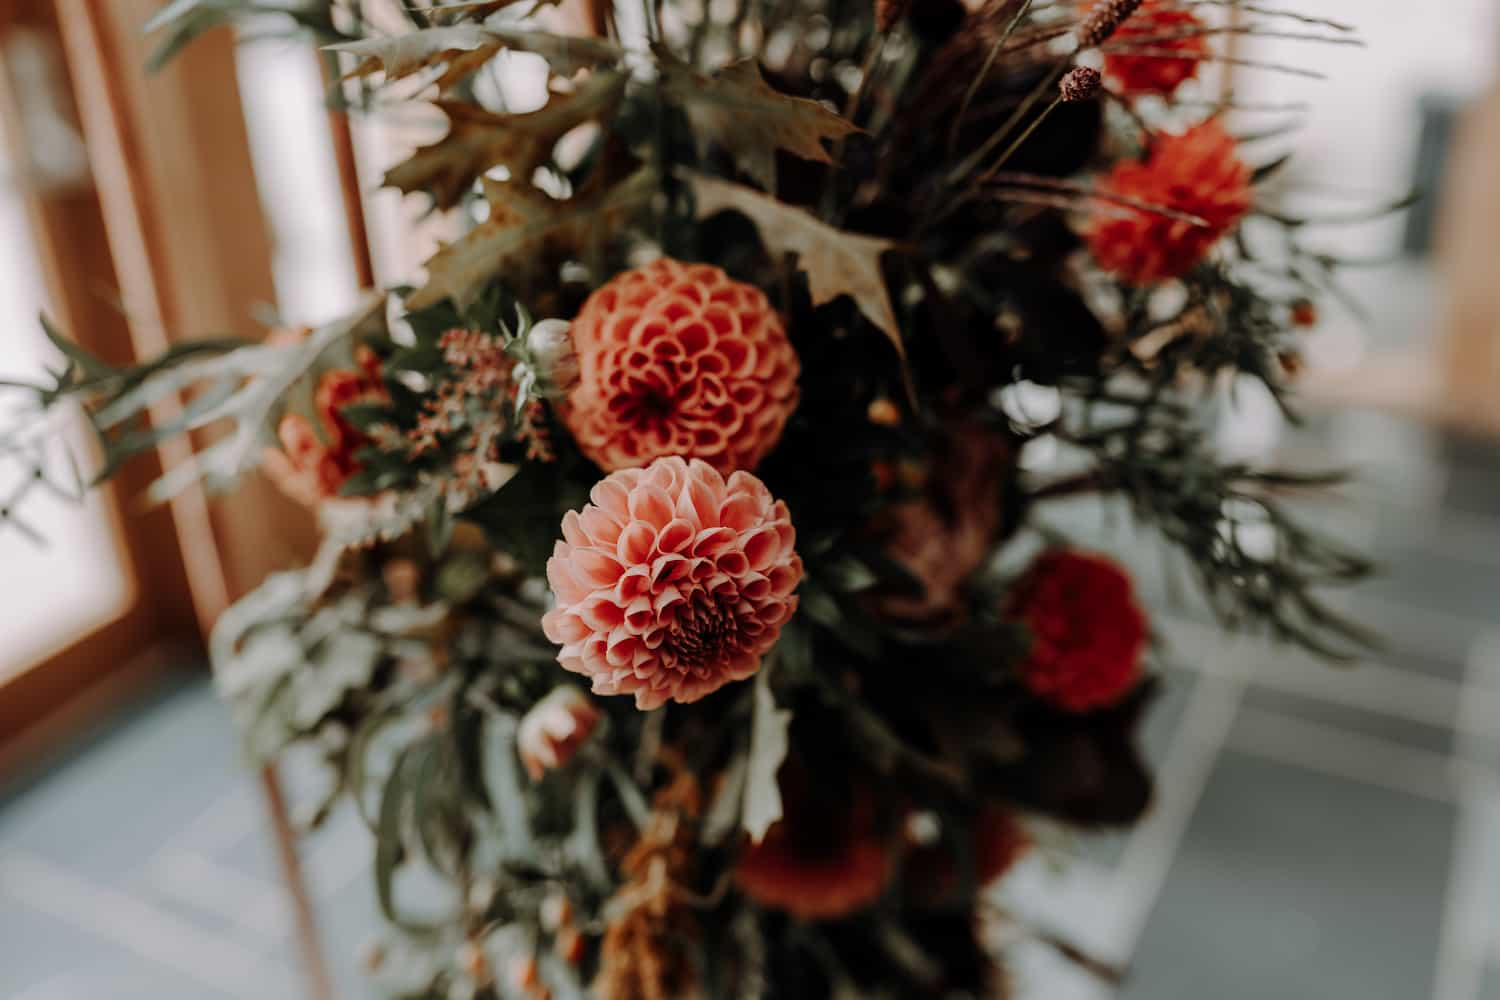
[
  {"x": 1344, "y": 718},
  {"x": 1292, "y": 884},
  {"x": 51, "y": 959}
]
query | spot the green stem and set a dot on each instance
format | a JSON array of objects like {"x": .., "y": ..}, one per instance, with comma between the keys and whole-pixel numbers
[
  {"x": 984, "y": 72},
  {"x": 974, "y": 160},
  {"x": 1020, "y": 139}
]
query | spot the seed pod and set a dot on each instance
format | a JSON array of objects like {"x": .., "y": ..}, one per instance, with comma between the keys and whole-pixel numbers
[
  {"x": 1081, "y": 84},
  {"x": 1103, "y": 21},
  {"x": 550, "y": 345}
]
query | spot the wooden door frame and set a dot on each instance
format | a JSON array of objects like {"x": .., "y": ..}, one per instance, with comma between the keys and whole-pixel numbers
[
  {"x": 173, "y": 219},
  {"x": 83, "y": 680}
]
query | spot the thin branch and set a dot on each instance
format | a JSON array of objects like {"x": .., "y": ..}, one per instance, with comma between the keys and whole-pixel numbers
[
  {"x": 1088, "y": 191},
  {"x": 1150, "y": 53},
  {"x": 984, "y": 72}
]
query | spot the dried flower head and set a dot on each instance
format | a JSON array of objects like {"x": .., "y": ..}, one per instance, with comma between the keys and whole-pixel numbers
[
  {"x": 1157, "y": 50},
  {"x": 1088, "y": 634},
  {"x": 673, "y": 582},
  {"x": 646, "y": 951},
  {"x": 554, "y": 730},
  {"x": 482, "y": 373},
  {"x": 1198, "y": 173},
  {"x": 680, "y": 359},
  {"x": 1080, "y": 84},
  {"x": 1103, "y": 20}
]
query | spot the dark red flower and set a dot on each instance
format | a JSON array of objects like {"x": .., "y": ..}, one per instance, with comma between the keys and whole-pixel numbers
[
  {"x": 1170, "y": 47},
  {"x": 824, "y": 859},
  {"x": 1088, "y": 634},
  {"x": 1198, "y": 173},
  {"x": 998, "y": 842}
]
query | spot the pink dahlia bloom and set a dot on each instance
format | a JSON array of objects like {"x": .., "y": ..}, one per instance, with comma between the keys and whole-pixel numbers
[
  {"x": 673, "y": 582},
  {"x": 680, "y": 359},
  {"x": 554, "y": 730}
]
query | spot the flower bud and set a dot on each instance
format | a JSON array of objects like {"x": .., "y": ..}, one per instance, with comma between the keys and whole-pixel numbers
[
  {"x": 1081, "y": 84},
  {"x": 523, "y": 974},
  {"x": 551, "y": 733},
  {"x": 556, "y": 913},
  {"x": 884, "y": 413},
  {"x": 550, "y": 347}
]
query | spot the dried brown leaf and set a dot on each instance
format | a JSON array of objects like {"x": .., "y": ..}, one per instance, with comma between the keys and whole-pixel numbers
[
  {"x": 523, "y": 225},
  {"x": 479, "y": 140},
  {"x": 835, "y": 262},
  {"x": 741, "y": 112},
  {"x": 464, "y": 48}
]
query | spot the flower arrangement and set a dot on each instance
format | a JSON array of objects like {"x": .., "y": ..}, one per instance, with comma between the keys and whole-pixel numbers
[{"x": 717, "y": 406}]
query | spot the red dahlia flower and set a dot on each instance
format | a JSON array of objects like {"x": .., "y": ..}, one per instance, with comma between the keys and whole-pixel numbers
[
  {"x": 1088, "y": 634},
  {"x": 673, "y": 582},
  {"x": 1174, "y": 46},
  {"x": 1198, "y": 173},
  {"x": 680, "y": 359}
]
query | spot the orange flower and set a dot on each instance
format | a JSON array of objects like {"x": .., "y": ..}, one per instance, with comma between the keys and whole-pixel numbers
[
  {"x": 1164, "y": 29},
  {"x": 679, "y": 359},
  {"x": 821, "y": 861},
  {"x": 316, "y": 461},
  {"x": 673, "y": 582},
  {"x": 1198, "y": 173},
  {"x": 1088, "y": 634}
]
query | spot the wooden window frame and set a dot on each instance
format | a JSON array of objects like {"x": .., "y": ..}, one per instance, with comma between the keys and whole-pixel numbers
[{"x": 43, "y": 702}]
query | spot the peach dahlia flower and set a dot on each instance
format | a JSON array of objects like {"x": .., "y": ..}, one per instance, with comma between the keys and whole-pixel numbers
[
  {"x": 673, "y": 582},
  {"x": 680, "y": 359}
]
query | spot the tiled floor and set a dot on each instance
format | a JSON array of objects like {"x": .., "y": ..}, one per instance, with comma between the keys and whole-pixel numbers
[{"x": 142, "y": 868}]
